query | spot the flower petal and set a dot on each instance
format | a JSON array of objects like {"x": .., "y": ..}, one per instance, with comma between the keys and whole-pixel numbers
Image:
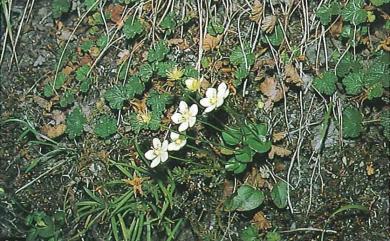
[
  {"x": 219, "y": 101},
  {"x": 209, "y": 109},
  {"x": 174, "y": 136},
  {"x": 164, "y": 146},
  {"x": 176, "y": 118},
  {"x": 155, "y": 162},
  {"x": 150, "y": 155},
  {"x": 183, "y": 143},
  {"x": 194, "y": 110},
  {"x": 222, "y": 87},
  {"x": 173, "y": 146},
  {"x": 156, "y": 143},
  {"x": 205, "y": 102},
  {"x": 164, "y": 156},
  {"x": 191, "y": 121},
  {"x": 211, "y": 92},
  {"x": 183, "y": 126},
  {"x": 183, "y": 107}
]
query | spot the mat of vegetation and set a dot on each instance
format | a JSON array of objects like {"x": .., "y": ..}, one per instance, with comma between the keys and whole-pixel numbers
[{"x": 194, "y": 120}]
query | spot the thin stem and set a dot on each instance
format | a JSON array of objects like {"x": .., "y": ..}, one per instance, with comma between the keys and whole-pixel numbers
[
  {"x": 211, "y": 125},
  {"x": 186, "y": 160}
]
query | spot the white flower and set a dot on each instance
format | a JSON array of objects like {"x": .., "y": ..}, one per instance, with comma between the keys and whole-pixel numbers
[
  {"x": 214, "y": 97},
  {"x": 193, "y": 84},
  {"x": 177, "y": 143},
  {"x": 158, "y": 153},
  {"x": 186, "y": 117}
]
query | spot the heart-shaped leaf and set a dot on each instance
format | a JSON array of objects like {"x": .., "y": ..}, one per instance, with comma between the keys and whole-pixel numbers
[
  {"x": 279, "y": 194},
  {"x": 247, "y": 198}
]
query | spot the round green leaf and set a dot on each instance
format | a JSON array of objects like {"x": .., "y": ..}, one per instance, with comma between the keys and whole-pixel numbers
[
  {"x": 248, "y": 198},
  {"x": 259, "y": 146},
  {"x": 279, "y": 194},
  {"x": 245, "y": 154},
  {"x": 235, "y": 166},
  {"x": 232, "y": 136}
]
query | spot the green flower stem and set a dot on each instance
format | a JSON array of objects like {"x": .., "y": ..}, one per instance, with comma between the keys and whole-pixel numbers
[
  {"x": 211, "y": 125},
  {"x": 186, "y": 160}
]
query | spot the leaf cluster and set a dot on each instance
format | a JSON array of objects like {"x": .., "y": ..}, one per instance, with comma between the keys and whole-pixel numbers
[{"x": 248, "y": 140}]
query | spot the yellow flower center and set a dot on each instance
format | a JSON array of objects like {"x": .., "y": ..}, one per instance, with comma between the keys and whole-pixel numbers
[
  {"x": 175, "y": 74},
  {"x": 157, "y": 152},
  {"x": 144, "y": 117},
  {"x": 213, "y": 100},
  {"x": 178, "y": 141},
  {"x": 186, "y": 115}
]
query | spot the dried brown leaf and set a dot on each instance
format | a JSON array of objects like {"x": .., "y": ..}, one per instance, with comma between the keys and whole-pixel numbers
[
  {"x": 292, "y": 76},
  {"x": 268, "y": 24},
  {"x": 261, "y": 222},
  {"x": 41, "y": 102},
  {"x": 279, "y": 151},
  {"x": 270, "y": 88},
  {"x": 278, "y": 136},
  {"x": 210, "y": 42},
  {"x": 116, "y": 11},
  {"x": 53, "y": 131},
  {"x": 257, "y": 9},
  {"x": 336, "y": 28}
]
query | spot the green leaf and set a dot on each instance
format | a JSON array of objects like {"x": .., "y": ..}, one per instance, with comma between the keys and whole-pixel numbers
[
  {"x": 105, "y": 126},
  {"x": 279, "y": 194},
  {"x": 157, "y": 101},
  {"x": 235, "y": 166},
  {"x": 67, "y": 98},
  {"x": 75, "y": 123},
  {"x": 132, "y": 27},
  {"x": 354, "y": 13},
  {"x": 85, "y": 85},
  {"x": 352, "y": 122},
  {"x": 344, "y": 67},
  {"x": 326, "y": 11},
  {"x": 249, "y": 234},
  {"x": 190, "y": 72},
  {"x": 115, "y": 97},
  {"x": 259, "y": 146},
  {"x": 48, "y": 90},
  {"x": 375, "y": 91},
  {"x": 169, "y": 22},
  {"x": 245, "y": 154},
  {"x": 232, "y": 136},
  {"x": 60, "y": 7},
  {"x": 214, "y": 28},
  {"x": 273, "y": 236},
  {"x": 277, "y": 37},
  {"x": 145, "y": 72},
  {"x": 247, "y": 198},
  {"x": 81, "y": 73},
  {"x": 60, "y": 80},
  {"x": 325, "y": 83},
  {"x": 237, "y": 57},
  {"x": 90, "y": 4},
  {"x": 241, "y": 73},
  {"x": 86, "y": 45},
  {"x": 102, "y": 41},
  {"x": 159, "y": 52},
  {"x": 354, "y": 83},
  {"x": 164, "y": 67},
  {"x": 133, "y": 87}
]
